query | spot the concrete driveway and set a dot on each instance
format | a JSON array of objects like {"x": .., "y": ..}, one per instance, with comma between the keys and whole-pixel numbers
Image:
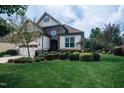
[{"x": 5, "y": 59}]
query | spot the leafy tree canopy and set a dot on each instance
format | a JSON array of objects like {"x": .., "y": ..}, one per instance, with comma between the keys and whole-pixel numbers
[
  {"x": 111, "y": 34},
  {"x": 5, "y": 28},
  {"x": 13, "y": 9},
  {"x": 95, "y": 32}
]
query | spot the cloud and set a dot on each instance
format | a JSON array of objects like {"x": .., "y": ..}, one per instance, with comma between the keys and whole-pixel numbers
[
  {"x": 81, "y": 17},
  {"x": 118, "y": 17}
]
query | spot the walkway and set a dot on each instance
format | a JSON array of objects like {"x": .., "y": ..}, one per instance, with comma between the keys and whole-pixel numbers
[{"x": 5, "y": 59}]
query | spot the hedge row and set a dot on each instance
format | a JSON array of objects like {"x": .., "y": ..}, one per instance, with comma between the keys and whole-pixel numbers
[
  {"x": 12, "y": 52},
  {"x": 118, "y": 51},
  {"x": 62, "y": 56},
  {"x": 72, "y": 56},
  {"x": 26, "y": 60},
  {"x": 21, "y": 60}
]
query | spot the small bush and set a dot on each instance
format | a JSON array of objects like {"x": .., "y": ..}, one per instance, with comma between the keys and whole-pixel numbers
[
  {"x": 50, "y": 56},
  {"x": 72, "y": 57},
  {"x": 39, "y": 53},
  {"x": 45, "y": 53},
  {"x": 66, "y": 54},
  {"x": 86, "y": 50},
  {"x": 3, "y": 53},
  {"x": 43, "y": 59},
  {"x": 103, "y": 52},
  {"x": 12, "y": 52},
  {"x": 69, "y": 50},
  {"x": 42, "y": 55},
  {"x": 63, "y": 56},
  {"x": 96, "y": 57},
  {"x": 11, "y": 61},
  {"x": 118, "y": 51},
  {"x": 38, "y": 59},
  {"x": 23, "y": 60},
  {"x": 77, "y": 55},
  {"x": 86, "y": 57},
  {"x": 56, "y": 55}
]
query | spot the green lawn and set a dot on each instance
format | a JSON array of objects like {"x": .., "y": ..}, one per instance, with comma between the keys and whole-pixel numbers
[{"x": 109, "y": 72}]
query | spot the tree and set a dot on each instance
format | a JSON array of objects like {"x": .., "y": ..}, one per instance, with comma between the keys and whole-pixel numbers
[
  {"x": 95, "y": 32},
  {"x": 111, "y": 35},
  {"x": 123, "y": 39},
  {"x": 81, "y": 43},
  {"x": 24, "y": 33},
  {"x": 13, "y": 9},
  {"x": 16, "y": 22},
  {"x": 95, "y": 39},
  {"x": 5, "y": 28}
]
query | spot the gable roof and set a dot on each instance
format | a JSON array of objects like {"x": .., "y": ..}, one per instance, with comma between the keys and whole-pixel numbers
[
  {"x": 49, "y": 16},
  {"x": 71, "y": 29},
  {"x": 67, "y": 27},
  {"x": 29, "y": 21}
]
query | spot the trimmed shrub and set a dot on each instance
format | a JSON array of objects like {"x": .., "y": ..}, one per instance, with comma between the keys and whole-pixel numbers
[
  {"x": 10, "y": 61},
  {"x": 3, "y": 53},
  {"x": 38, "y": 59},
  {"x": 23, "y": 60},
  {"x": 118, "y": 51},
  {"x": 49, "y": 56},
  {"x": 96, "y": 57},
  {"x": 12, "y": 52},
  {"x": 103, "y": 52},
  {"x": 45, "y": 53},
  {"x": 66, "y": 54},
  {"x": 86, "y": 57},
  {"x": 56, "y": 55},
  {"x": 63, "y": 56},
  {"x": 43, "y": 59},
  {"x": 86, "y": 50},
  {"x": 41, "y": 55},
  {"x": 69, "y": 50},
  {"x": 77, "y": 55},
  {"x": 72, "y": 57}
]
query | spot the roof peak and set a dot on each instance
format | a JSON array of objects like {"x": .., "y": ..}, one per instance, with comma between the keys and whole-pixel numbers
[{"x": 45, "y": 13}]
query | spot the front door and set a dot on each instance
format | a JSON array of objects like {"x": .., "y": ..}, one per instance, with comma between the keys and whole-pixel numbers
[{"x": 53, "y": 45}]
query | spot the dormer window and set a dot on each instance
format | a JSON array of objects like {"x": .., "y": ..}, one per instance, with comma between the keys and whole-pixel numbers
[{"x": 46, "y": 19}]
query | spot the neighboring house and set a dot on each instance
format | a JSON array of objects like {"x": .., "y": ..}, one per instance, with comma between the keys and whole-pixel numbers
[{"x": 54, "y": 35}]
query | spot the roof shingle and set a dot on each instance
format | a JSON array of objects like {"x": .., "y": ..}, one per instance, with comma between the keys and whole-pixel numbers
[{"x": 71, "y": 29}]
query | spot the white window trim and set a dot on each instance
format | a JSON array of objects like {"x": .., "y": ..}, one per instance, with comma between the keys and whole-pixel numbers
[{"x": 69, "y": 41}]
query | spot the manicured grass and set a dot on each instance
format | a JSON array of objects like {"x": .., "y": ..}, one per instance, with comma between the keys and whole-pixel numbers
[{"x": 109, "y": 72}]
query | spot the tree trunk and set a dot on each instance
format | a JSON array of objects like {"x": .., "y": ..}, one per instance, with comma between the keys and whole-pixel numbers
[{"x": 28, "y": 50}]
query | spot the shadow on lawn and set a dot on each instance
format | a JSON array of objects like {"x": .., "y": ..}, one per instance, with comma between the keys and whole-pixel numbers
[{"x": 10, "y": 80}]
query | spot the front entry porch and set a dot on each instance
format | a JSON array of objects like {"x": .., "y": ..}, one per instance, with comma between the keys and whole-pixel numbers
[{"x": 53, "y": 45}]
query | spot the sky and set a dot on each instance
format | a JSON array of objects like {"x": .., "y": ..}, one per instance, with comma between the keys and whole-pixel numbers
[{"x": 82, "y": 17}]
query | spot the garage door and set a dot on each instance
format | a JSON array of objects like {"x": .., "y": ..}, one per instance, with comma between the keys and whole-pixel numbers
[{"x": 23, "y": 51}]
